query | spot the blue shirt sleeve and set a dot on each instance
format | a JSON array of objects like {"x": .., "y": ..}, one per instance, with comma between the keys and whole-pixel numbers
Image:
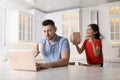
[
  {"x": 43, "y": 41},
  {"x": 65, "y": 45}
]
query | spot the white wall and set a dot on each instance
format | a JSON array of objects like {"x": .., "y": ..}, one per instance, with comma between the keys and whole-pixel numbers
[
  {"x": 39, "y": 17},
  {"x": 57, "y": 18},
  {"x": 8, "y": 5}
]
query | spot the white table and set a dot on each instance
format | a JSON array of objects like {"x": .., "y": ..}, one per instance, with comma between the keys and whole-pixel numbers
[{"x": 61, "y": 73}]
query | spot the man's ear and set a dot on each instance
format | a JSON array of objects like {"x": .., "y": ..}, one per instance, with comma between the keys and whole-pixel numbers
[{"x": 55, "y": 29}]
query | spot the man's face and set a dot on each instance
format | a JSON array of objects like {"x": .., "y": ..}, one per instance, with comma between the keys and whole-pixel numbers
[{"x": 49, "y": 31}]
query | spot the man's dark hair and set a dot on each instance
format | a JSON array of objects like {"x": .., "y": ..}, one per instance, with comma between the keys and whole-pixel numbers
[{"x": 48, "y": 22}]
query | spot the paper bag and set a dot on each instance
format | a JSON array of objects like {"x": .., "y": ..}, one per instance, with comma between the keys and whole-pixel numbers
[{"x": 75, "y": 38}]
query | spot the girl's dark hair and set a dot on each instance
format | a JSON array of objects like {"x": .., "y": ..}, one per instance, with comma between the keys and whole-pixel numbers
[{"x": 95, "y": 28}]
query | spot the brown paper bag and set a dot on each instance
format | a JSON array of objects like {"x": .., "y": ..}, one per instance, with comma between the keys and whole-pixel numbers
[{"x": 75, "y": 38}]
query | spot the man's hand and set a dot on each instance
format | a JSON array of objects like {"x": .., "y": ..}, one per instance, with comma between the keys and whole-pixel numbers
[
  {"x": 42, "y": 66},
  {"x": 36, "y": 49}
]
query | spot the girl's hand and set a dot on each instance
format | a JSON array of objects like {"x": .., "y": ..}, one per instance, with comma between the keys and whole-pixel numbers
[
  {"x": 75, "y": 43},
  {"x": 91, "y": 38}
]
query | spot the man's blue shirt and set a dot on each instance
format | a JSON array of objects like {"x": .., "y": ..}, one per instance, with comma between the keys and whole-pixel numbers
[{"x": 52, "y": 53}]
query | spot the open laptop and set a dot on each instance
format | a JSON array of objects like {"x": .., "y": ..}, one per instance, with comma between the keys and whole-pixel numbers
[{"x": 23, "y": 60}]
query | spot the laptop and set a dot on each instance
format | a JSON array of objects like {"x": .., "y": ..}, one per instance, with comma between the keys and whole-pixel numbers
[{"x": 23, "y": 60}]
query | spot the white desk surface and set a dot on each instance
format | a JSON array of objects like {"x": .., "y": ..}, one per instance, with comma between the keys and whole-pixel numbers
[{"x": 60, "y": 73}]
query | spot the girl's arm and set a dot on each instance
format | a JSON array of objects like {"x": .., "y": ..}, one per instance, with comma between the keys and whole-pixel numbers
[
  {"x": 96, "y": 50},
  {"x": 80, "y": 50}
]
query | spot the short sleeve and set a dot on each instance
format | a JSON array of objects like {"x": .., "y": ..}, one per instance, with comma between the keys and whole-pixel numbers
[
  {"x": 42, "y": 41},
  {"x": 84, "y": 42},
  {"x": 65, "y": 45},
  {"x": 98, "y": 43}
]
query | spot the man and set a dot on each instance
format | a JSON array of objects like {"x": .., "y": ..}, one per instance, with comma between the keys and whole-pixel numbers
[{"x": 56, "y": 48}]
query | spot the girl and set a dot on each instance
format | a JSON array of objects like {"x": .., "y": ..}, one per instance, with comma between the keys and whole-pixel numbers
[{"x": 92, "y": 46}]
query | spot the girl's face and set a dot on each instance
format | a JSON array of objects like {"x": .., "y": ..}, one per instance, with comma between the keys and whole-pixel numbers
[{"x": 90, "y": 32}]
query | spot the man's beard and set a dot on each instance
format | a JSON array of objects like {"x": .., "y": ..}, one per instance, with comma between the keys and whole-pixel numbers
[{"x": 52, "y": 37}]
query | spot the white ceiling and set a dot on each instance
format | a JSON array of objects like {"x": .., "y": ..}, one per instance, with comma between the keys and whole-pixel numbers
[{"x": 56, "y": 5}]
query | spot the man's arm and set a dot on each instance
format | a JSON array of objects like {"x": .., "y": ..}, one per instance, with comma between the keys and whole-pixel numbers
[
  {"x": 64, "y": 58},
  {"x": 36, "y": 49},
  {"x": 61, "y": 62}
]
